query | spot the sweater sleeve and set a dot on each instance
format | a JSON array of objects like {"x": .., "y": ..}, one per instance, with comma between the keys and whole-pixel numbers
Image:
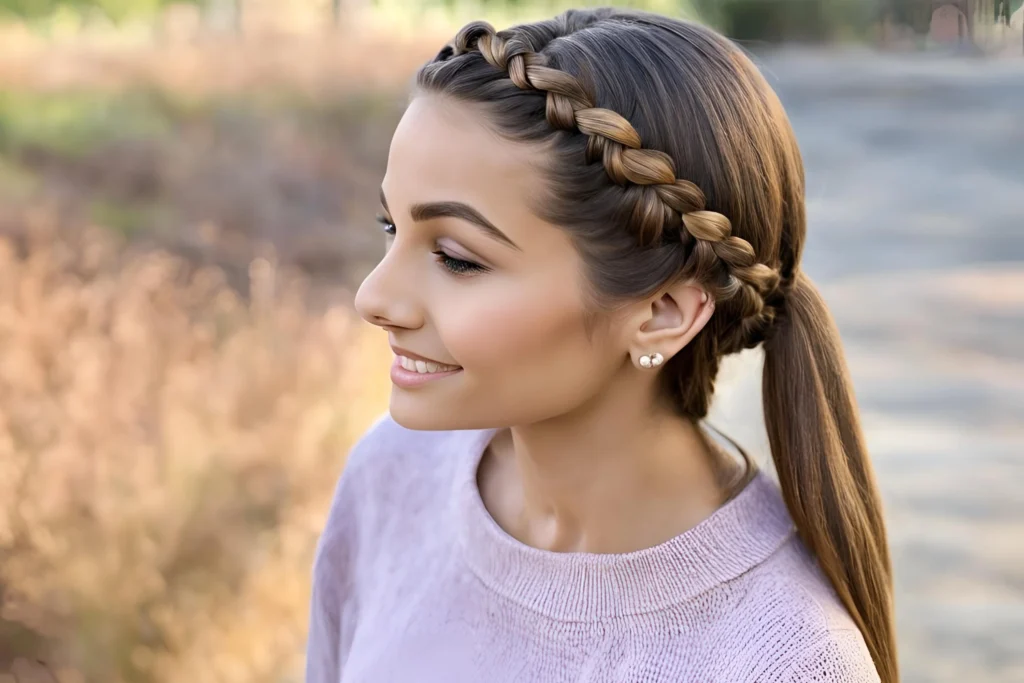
[
  {"x": 839, "y": 656},
  {"x": 323, "y": 647},
  {"x": 333, "y": 608}
]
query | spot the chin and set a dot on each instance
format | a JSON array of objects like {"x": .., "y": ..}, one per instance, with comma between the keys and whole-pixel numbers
[{"x": 420, "y": 411}]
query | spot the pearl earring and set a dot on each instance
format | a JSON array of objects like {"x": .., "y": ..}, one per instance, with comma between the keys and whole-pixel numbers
[{"x": 651, "y": 361}]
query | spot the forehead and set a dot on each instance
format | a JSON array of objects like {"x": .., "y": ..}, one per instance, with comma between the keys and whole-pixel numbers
[{"x": 443, "y": 150}]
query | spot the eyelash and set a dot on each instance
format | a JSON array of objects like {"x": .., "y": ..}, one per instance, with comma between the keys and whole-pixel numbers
[{"x": 453, "y": 265}]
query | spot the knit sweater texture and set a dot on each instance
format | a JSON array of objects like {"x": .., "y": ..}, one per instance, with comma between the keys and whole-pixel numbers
[{"x": 414, "y": 581}]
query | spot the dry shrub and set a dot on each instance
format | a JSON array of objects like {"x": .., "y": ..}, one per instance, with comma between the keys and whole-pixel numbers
[{"x": 167, "y": 454}]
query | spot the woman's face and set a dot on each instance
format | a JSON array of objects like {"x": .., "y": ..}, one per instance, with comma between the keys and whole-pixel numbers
[{"x": 473, "y": 281}]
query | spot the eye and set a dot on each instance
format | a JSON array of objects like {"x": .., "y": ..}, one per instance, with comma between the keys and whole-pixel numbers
[
  {"x": 457, "y": 266},
  {"x": 389, "y": 227}
]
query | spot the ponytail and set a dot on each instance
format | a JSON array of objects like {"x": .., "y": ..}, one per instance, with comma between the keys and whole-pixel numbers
[{"x": 825, "y": 474}]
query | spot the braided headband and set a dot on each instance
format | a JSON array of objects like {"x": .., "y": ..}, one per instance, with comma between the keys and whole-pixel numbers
[{"x": 614, "y": 141}]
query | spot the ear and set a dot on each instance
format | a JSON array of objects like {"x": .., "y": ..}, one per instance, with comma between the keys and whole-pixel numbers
[{"x": 669, "y": 321}]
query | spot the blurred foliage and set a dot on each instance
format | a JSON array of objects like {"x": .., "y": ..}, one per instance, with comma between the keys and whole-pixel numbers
[
  {"x": 501, "y": 13},
  {"x": 72, "y": 123},
  {"x": 17, "y": 182},
  {"x": 168, "y": 450},
  {"x": 912, "y": 13},
  {"x": 554, "y": 6},
  {"x": 776, "y": 21},
  {"x": 127, "y": 218},
  {"x": 121, "y": 9},
  {"x": 760, "y": 20},
  {"x": 113, "y": 9},
  {"x": 750, "y": 20},
  {"x": 170, "y": 432},
  {"x": 210, "y": 176},
  {"x": 769, "y": 21}
]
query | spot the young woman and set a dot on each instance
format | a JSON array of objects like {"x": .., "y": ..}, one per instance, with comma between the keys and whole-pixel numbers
[{"x": 584, "y": 215}]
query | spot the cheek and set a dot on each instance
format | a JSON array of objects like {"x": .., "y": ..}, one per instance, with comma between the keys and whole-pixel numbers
[
  {"x": 532, "y": 346},
  {"x": 510, "y": 322}
]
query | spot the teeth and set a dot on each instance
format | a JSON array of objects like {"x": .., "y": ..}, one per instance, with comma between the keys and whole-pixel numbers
[{"x": 424, "y": 367}]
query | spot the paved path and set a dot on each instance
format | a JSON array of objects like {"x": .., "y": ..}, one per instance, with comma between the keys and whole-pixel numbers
[{"x": 915, "y": 173}]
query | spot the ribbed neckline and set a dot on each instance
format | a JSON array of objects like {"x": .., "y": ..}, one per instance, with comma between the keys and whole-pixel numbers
[{"x": 738, "y": 536}]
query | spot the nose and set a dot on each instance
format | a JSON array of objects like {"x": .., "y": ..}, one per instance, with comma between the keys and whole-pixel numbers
[{"x": 386, "y": 296}]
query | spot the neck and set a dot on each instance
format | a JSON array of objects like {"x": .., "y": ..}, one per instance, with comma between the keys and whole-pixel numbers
[{"x": 608, "y": 478}]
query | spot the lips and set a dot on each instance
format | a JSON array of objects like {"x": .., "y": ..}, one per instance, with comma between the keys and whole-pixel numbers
[
  {"x": 423, "y": 367},
  {"x": 411, "y": 373},
  {"x": 410, "y": 361}
]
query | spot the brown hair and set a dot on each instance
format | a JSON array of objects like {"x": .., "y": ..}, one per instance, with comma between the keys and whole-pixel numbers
[{"x": 669, "y": 158}]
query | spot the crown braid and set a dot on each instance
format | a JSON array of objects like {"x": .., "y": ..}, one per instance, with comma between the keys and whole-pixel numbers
[{"x": 614, "y": 141}]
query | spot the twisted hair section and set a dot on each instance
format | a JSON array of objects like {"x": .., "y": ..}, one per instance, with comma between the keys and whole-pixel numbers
[{"x": 662, "y": 199}]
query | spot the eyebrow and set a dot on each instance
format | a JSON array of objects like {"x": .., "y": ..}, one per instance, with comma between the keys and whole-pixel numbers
[{"x": 430, "y": 210}]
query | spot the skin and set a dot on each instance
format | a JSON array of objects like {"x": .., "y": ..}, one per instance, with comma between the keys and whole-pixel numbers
[{"x": 589, "y": 459}]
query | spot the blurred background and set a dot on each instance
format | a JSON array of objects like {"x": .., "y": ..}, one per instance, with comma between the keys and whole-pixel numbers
[{"x": 187, "y": 194}]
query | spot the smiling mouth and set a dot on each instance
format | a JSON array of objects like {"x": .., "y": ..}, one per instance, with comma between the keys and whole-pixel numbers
[{"x": 425, "y": 367}]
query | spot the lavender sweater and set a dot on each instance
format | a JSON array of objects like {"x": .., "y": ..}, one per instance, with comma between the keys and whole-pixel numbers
[{"x": 414, "y": 581}]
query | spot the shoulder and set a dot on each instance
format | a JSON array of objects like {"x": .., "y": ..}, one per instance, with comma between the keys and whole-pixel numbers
[
  {"x": 387, "y": 449},
  {"x": 388, "y": 470},
  {"x": 389, "y": 459},
  {"x": 806, "y": 632},
  {"x": 840, "y": 656}
]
